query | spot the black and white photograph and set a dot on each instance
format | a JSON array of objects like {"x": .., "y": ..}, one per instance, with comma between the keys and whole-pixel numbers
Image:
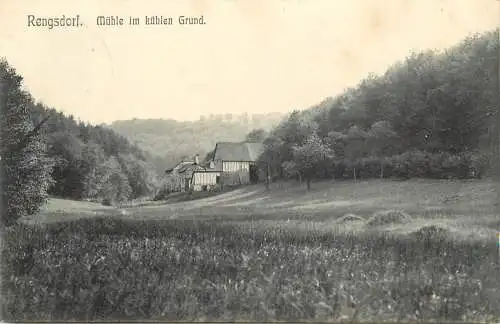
[{"x": 225, "y": 161}]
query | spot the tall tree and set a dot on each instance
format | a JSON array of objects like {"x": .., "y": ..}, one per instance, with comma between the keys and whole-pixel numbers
[
  {"x": 256, "y": 136},
  {"x": 140, "y": 175},
  {"x": 310, "y": 157},
  {"x": 24, "y": 167},
  {"x": 382, "y": 142},
  {"x": 116, "y": 188},
  {"x": 356, "y": 148},
  {"x": 68, "y": 174},
  {"x": 95, "y": 170}
]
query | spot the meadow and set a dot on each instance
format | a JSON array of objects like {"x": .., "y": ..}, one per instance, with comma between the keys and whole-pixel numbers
[{"x": 416, "y": 250}]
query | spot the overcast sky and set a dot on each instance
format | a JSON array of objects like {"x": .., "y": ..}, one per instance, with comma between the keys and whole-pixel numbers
[{"x": 251, "y": 56}]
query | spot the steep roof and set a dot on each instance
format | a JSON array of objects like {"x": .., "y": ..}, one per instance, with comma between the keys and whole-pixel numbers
[
  {"x": 190, "y": 168},
  {"x": 245, "y": 151},
  {"x": 184, "y": 166}
]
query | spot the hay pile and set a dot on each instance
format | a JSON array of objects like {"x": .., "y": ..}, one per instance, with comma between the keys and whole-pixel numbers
[
  {"x": 431, "y": 233},
  {"x": 388, "y": 217},
  {"x": 348, "y": 218}
]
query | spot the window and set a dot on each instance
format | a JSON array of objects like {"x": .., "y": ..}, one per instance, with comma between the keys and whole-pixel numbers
[{"x": 217, "y": 179}]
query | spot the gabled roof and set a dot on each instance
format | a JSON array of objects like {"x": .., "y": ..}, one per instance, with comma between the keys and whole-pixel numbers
[
  {"x": 183, "y": 167},
  {"x": 190, "y": 167},
  {"x": 243, "y": 152}
]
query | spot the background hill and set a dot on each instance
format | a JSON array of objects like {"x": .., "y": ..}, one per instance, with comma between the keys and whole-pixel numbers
[{"x": 170, "y": 140}]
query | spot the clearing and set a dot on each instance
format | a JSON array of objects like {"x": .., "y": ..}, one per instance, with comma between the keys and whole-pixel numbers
[
  {"x": 417, "y": 250},
  {"x": 467, "y": 208}
]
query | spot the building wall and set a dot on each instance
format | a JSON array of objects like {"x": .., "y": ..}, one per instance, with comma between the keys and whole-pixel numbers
[
  {"x": 201, "y": 179},
  {"x": 236, "y": 178},
  {"x": 236, "y": 173},
  {"x": 239, "y": 172},
  {"x": 174, "y": 183},
  {"x": 230, "y": 173},
  {"x": 229, "y": 166},
  {"x": 205, "y": 178}
]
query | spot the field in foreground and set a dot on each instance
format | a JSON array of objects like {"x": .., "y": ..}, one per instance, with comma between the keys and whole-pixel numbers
[{"x": 250, "y": 255}]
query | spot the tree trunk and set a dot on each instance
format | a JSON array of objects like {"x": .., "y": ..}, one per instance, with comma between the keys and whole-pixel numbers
[
  {"x": 354, "y": 172},
  {"x": 268, "y": 177},
  {"x": 308, "y": 184},
  {"x": 300, "y": 177},
  {"x": 381, "y": 170}
]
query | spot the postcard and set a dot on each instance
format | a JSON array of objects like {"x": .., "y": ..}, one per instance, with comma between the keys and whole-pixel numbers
[{"x": 250, "y": 161}]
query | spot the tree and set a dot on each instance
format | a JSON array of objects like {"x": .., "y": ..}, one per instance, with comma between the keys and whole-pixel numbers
[
  {"x": 140, "y": 175},
  {"x": 297, "y": 128},
  {"x": 95, "y": 170},
  {"x": 209, "y": 157},
  {"x": 256, "y": 136},
  {"x": 272, "y": 157},
  {"x": 310, "y": 157},
  {"x": 24, "y": 167},
  {"x": 116, "y": 188},
  {"x": 356, "y": 147},
  {"x": 68, "y": 174},
  {"x": 382, "y": 137},
  {"x": 337, "y": 141},
  {"x": 431, "y": 115},
  {"x": 290, "y": 170}
]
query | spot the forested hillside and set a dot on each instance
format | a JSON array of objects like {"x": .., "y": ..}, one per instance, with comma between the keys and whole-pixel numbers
[
  {"x": 171, "y": 140},
  {"x": 432, "y": 115},
  {"x": 93, "y": 162},
  {"x": 85, "y": 161}
]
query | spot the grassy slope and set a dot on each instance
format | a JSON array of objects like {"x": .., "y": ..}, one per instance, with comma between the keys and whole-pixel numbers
[
  {"x": 253, "y": 255},
  {"x": 467, "y": 208}
]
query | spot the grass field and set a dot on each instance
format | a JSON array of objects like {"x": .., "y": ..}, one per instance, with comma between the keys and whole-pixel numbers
[{"x": 373, "y": 250}]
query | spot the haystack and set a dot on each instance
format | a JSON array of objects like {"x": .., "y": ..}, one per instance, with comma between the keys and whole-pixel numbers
[
  {"x": 431, "y": 232},
  {"x": 388, "y": 217},
  {"x": 348, "y": 218}
]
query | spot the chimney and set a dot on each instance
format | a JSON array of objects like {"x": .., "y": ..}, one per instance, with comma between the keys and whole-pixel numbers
[{"x": 196, "y": 159}]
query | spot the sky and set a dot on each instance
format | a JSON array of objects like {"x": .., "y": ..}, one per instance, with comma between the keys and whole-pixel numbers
[{"x": 252, "y": 56}]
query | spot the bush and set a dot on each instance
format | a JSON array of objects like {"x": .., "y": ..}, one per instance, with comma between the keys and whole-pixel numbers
[
  {"x": 431, "y": 233},
  {"x": 107, "y": 202},
  {"x": 162, "y": 194}
]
